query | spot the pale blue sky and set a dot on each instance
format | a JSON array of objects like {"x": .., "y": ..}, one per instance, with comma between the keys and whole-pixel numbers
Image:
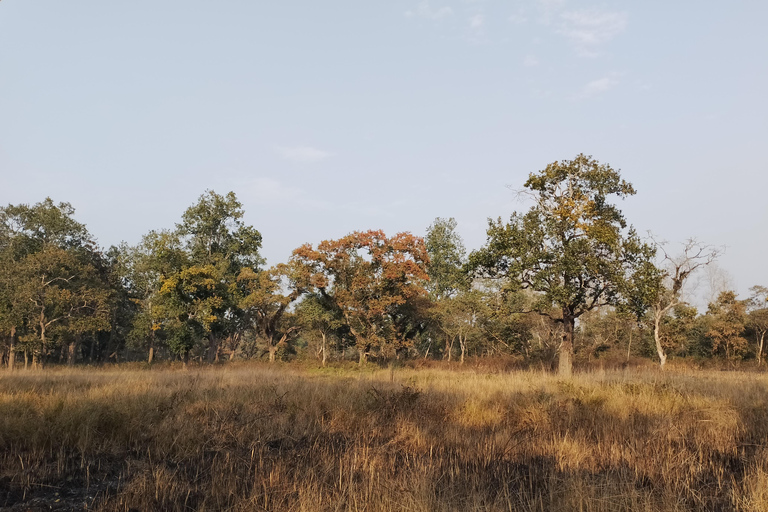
[{"x": 329, "y": 117}]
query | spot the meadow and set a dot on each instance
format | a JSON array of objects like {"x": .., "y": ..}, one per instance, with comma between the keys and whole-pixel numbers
[{"x": 297, "y": 438}]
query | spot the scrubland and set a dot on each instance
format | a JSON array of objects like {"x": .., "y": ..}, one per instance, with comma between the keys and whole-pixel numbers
[{"x": 288, "y": 438}]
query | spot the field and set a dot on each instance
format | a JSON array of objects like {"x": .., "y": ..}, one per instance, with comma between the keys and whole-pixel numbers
[{"x": 293, "y": 438}]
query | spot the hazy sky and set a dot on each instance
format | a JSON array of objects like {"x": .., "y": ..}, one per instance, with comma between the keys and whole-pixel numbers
[{"x": 329, "y": 117}]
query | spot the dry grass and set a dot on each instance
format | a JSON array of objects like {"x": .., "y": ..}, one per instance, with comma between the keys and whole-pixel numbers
[{"x": 254, "y": 437}]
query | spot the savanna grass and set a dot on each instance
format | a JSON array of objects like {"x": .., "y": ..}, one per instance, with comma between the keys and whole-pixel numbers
[{"x": 256, "y": 437}]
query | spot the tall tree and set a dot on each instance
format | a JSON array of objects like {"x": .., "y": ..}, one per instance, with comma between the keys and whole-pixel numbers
[
  {"x": 447, "y": 257},
  {"x": 220, "y": 245},
  {"x": 50, "y": 284},
  {"x": 374, "y": 281},
  {"x": 573, "y": 246},
  {"x": 665, "y": 292}
]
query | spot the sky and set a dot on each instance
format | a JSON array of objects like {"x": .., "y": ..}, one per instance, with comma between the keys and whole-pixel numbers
[{"x": 330, "y": 117}]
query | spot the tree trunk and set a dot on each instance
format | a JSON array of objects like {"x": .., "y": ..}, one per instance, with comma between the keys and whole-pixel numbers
[
  {"x": 325, "y": 351},
  {"x": 12, "y": 350},
  {"x": 759, "y": 348},
  {"x": 272, "y": 353},
  {"x": 26, "y": 359},
  {"x": 657, "y": 338},
  {"x": 35, "y": 358},
  {"x": 448, "y": 346},
  {"x": 363, "y": 356},
  {"x": 213, "y": 347},
  {"x": 565, "y": 359},
  {"x": 71, "y": 351},
  {"x": 463, "y": 345}
]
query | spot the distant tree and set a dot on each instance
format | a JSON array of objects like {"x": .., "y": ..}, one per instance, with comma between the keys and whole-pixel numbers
[
  {"x": 374, "y": 281},
  {"x": 220, "y": 245},
  {"x": 316, "y": 314},
  {"x": 572, "y": 246},
  {"x": 185, "y": 282},
  {"x": 447, "y": 257},
  {"x": 266, "y": 297},
  {"x": 757, "y": 318},
  {"x": 50, "y": 286},
  {"x": 666, "y": 293},
  {"x": 728, "y": 319}
]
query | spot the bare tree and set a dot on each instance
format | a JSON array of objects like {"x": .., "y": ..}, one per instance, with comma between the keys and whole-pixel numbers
[{"x": 676, "y": 271}]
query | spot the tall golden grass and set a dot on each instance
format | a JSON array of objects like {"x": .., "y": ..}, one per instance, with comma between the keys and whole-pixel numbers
[{"x": 254, "y": 437}]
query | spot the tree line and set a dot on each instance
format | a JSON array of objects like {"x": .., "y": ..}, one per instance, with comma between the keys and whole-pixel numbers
[{"x": 568, "y": 280}]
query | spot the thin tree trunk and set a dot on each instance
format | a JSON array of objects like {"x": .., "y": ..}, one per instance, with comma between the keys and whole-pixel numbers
[
  {"x": 759, "y": 349},
  {"x": 213, "y": 347},
  {"x": 35, "y": 358},
  {"x": 26, "y": 359},
  {"x": 463, "y": 345},
  {"x": 363, "y": 356},
  {"x": 71, "y": 351},
  {"x": 325, "y": 350},
  {"x": 272, "y": 353},
  {"x": 657, "y": 338},
  {"x": 629, "y": 345},
  {"x": 12, "y": 350},
  {"x": 565, "y": 359}
]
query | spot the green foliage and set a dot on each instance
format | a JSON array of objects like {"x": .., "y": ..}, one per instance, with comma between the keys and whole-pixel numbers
[
  {"x": 728, "y": 317},
  {"x": 54, "y": 284},
  {"x": 447, "y": 257},
  {"x": 572, "y": 246}
]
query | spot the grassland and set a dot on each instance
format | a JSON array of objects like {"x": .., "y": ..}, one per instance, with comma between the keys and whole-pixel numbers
[{"x": 286, "y": 438}]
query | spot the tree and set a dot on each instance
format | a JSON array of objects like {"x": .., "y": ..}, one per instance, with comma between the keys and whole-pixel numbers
[
  {"x": 460, "y": 319},
  {"x": 665, "y": 291},
  {"x": 447, "y": 257},
  {"x": 573, "y": 246},
  {"x": 757, "y": 317},
  {"x": 374, "y": 281},
  {"x": 728, "y": 318},
  {"x": 50, "y": 286},
  {"x": 317, "y": 314},
  {"x": 447, "y": 280},
  {"x": 265, "y": 301},
  {"x": 220, "y": 246}
]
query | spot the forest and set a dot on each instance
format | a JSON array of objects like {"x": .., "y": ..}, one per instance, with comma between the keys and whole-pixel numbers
[{"x": 566, "y": 284}]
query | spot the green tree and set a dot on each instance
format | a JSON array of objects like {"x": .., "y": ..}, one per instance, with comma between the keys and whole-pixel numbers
[
  {"x": 318, "y": 315},
  {"x": 51, "y": 286},
  {"x": 266, "y": 297},
  {"x": 573, "y": 246},
  {"x": 447, "y": 257},
  {"x": 220, "y": 245},
  {"x": 728, "y": 319}
]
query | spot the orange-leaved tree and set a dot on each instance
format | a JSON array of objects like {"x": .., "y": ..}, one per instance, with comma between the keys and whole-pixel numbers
[{"x": 376, "y": 282}]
